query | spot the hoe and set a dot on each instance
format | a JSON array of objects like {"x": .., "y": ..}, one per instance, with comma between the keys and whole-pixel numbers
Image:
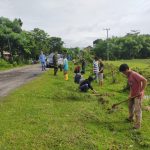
[{"x": 115, "y": 105}]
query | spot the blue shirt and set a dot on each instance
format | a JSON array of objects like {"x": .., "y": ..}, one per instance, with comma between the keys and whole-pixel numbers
[
  {"x": 42, "y": 58},
  {"x": 65, "y": 64}
]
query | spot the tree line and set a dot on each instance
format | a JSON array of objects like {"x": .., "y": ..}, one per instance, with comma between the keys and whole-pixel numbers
[
  {"x": 24, "y": 45},
  {"x": 131, "y": 46}
]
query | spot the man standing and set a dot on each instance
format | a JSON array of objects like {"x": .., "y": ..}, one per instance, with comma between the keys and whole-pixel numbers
[
  {"x": 55, "y": 62},
  {"x": 83, "y": 65},
  {"x": 137, "y": 85},
  {"x": 42, "y": 59},
  {"x": 96, "y": 68},
  {"x": 101, "y": 69}
]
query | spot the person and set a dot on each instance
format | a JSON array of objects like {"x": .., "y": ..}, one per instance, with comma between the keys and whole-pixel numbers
[
  {"x": 42, "y": 59},
  {"x": 86, "y": 85},
  {"x": 101, "y": 69},
  {"x": 137, "y": 85},
  {"x": 82, "y": 77},
  {"x": 60, "y": 60},
  {"x": 77, "y": 69},
  {"x": 65, "y": 68},
  {"x": 74, "y": 61},
  {"x": 55, "y": 62},
  {"x": 96, "y": 68},
  {"x": 83, "y": 65},
  {"x": 78, "y": 78},
  {"x": 61, "y": 67}
]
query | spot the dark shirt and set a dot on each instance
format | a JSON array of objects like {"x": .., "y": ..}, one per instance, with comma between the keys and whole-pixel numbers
[
  {"x": 83, "y": 64},
  {"x": 86, "y": 82},
  {"x": 55, "y": 60},
  {"x": 77, "y": 78},
  {"x": 101, "y": 66}
]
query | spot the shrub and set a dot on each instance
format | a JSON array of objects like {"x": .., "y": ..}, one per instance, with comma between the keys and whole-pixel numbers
[
  {"x": 14, "y": 63},
  {"x": 4, "y": 64}
]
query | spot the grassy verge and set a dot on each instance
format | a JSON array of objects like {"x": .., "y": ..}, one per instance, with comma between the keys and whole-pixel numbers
[
  {"x": 4, "y": 65},
  {"x": 50, "y": 113}
]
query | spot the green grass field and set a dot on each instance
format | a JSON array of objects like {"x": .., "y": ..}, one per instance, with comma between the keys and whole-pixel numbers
[{"x": 51, "y": 114}]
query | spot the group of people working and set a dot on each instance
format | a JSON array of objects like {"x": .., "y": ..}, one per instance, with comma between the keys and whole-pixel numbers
[
  {"x": 42, "y": 59},
  {"x": 97, "y": 74},
  {"x": 136, "y": 82}
]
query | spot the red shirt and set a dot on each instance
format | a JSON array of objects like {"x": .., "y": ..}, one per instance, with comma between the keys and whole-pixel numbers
[
  {"x": 134, "y": 80},
  {"x": 77, "y": 69}
]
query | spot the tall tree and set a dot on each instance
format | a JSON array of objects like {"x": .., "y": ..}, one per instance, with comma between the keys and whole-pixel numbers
[{"x": 56, "y": 44}]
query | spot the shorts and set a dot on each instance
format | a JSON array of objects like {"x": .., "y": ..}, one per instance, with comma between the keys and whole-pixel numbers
[{"x": 100, "y": 76}]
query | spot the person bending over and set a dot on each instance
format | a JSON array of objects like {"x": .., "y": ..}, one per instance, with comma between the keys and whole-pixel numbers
[{"x": 86, "y": 85}]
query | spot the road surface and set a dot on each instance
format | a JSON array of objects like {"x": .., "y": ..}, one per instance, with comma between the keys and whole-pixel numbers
[{"x": 13, "y": 78}]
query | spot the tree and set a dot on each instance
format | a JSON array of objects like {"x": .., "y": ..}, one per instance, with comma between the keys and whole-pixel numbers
[
  {"x": 132, "y": 45},
  {"x": 101, "y": 49},
  {"x": 56, "y": 44},
  {"x": 41, "y": 39},
  {"x": 9, "y": 32},
  {"x": 24, "y": 44}
]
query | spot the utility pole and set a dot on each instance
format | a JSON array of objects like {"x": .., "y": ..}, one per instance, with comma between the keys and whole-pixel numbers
[{"x": 107, "y": 30}]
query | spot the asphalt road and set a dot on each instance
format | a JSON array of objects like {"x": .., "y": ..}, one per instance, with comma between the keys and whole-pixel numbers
[{"x": 11, "y": 79}]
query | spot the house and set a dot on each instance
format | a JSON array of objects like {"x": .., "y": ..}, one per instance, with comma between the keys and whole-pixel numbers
[{"x": 6, "y": 55}]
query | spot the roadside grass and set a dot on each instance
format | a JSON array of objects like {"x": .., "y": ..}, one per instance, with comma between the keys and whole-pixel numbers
[
  {"x": 51, "y": 114},
  {"x": 4, "y": 65}
]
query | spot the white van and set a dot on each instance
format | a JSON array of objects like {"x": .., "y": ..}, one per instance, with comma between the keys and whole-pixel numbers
[{"x": 49, "y": 62}]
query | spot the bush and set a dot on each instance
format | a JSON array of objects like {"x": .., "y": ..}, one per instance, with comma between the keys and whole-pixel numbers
[
  {"x": 4, "y": 64},
  {"x": 14, "y": 63}
]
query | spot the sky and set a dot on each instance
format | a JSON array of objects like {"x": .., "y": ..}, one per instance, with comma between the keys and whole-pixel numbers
[{"x": 80, "y": 22}]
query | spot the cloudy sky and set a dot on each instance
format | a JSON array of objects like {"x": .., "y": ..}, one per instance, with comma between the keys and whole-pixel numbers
[{"x": 79, "y": 22}]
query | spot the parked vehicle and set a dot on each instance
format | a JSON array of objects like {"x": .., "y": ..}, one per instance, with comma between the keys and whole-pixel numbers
[{"x": 49, "y": 62}]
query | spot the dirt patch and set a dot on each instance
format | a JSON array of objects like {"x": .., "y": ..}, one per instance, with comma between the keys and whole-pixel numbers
[
  {"x": 147, "y": 108},
  {"x": 102, "y": 100},
  {"x": 105, "y": 94}
]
